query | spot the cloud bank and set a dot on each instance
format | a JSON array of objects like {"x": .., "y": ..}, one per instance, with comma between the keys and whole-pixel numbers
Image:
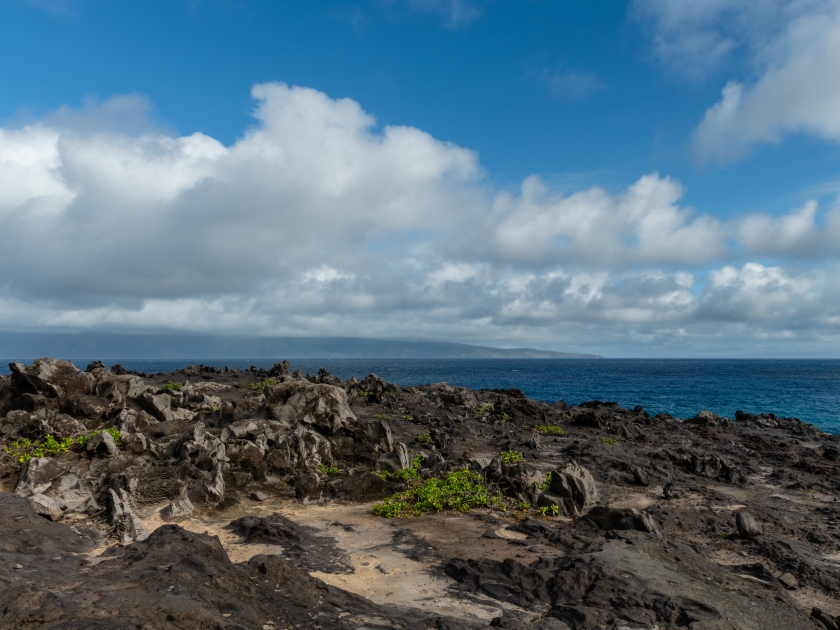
[
  {"x": 791, "y": 52},
  {"x": 317, "y": 221}
]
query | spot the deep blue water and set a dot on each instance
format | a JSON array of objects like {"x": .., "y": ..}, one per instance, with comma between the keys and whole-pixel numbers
[{"x": 805, "y": 389}]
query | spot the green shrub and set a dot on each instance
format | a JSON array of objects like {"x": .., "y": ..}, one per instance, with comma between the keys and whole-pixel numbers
[
  {"x": 512, "y": 457},
  {"x": 459, "y": 491},
  {"x": 25, "y": 449},
  {"x": 547, "y": 510},
  {"x": 483, "y": 409},
  {"x": 410, "y": 473},
  {"x": 524, "y": 506},
  {"x": 546, "y": 483},
  {"x": 260, "y": 385},
  {"x": 408, "y": 418},
  {"x": 505, "y": 418},
  {"x": 366, "y": 393},
  {"x": 332, "y": 469},
  {"x": 424, "y": 438},
  {"x": 383, "y": 416},
  {"x": 171, "y": 386},
  {"x": 549, "y": 428},
  {"x": 608, "y": 440}
]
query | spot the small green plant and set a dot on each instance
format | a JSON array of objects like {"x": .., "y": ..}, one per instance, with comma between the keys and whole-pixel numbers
[
  {"x": 172, "y": 386},
  {"x": 608, "y": 440},
  {"x": 332, "y": 469},
  {"x": 260, "y": 385},
  {"x": 512, "y": 457},
  {"x": 214, "y": 407},
  {"x": 481, "y": 410},
  {"x": 424, "y": 438},
  {"x": 383, "y": 416},
  {"x": 549, "y": 428},
  {"x": 408, "y": 418},
  {"x": 546, "y": 483},
  {"x": 459, "y": 491},
  {"x": 25, "y": 449},
  {"x": 366, "y": 393},
  {"x": 548, "y": 510},
  {"x": 115, "y": 433},
  {"x": 408, "y": 474},
  {"x": 505, "y": 418},
  {"x": 524, "y": 506}
]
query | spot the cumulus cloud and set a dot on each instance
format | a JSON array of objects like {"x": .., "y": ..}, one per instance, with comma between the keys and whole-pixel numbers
[
  {"x": 791, "y": 50},
  {"x": 318, "y": 221}
]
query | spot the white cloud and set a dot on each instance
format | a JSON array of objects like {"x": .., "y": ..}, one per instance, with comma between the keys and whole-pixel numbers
[
  {"x": 455, "y": 12},
  {"x": 317, "y": 221},
  {"x": 792, "y": 53}
]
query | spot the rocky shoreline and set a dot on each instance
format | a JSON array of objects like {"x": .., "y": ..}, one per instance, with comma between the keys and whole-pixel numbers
[{"x": 601, "y": 517}]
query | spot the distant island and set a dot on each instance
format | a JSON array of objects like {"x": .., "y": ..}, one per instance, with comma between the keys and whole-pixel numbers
[{"x": 16, "y": 345}]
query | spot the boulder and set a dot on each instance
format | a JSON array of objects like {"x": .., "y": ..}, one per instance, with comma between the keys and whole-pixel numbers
[
  {"x": 127, "y": 525},
  {"x": 45, "y": 506},
  {"x": 395, "y": 460},
  {"x": 308, "y": 487},
  {"x": 177, "y": 509},
  {"x": 209, "y": 489},
  {"x": 102, "y": 444},
  {"x": 319, "y": 405},
  {"x": 747, "y": 526},
  {"x": 245, "y": 453},
  {"x": 608, "y": 519},
  {"x": 51, "y": 378},
  {"x": 136, "y": 443},
  {"x": 159, "y": 405},
  {"x": 37, "y": 475},
  {"x": 640, "y": 476},
  {"x": 572, "y": 490}
]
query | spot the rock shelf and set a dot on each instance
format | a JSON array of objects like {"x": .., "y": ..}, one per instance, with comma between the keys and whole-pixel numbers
[{"x": 209, "y": 498}]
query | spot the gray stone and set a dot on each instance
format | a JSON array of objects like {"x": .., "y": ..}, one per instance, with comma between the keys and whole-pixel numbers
[
  {"x": 668, "y": 490},
  {"x": 259, "y": 496},
  {"x": 610, "y": 519},
  {"x": 789, "y": 581},
  {"x": 177, "y": 509},
  {"x": 37, "y": 475},
  {"x": 45, "y": 506},
  {"x": 640, "y": 476},
  {"x": 747, "y": 526},
  {"x": 572, "y": 490},
  {"x": 394, "y": 461},
  {"x": 308, "y": 488},
  {"x": 102, "y": 444}
]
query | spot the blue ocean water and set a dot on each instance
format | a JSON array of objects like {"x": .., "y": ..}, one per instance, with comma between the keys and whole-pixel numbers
[{"x": 805, "y": 389}]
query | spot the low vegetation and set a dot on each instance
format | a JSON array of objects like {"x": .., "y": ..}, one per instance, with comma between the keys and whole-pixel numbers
[
  {"x": 408, "y": 474},
  {"x": 512, "y": 458},
  {"x": 324, "y": 469},
  {"x": 172, "y": 386},
  {"x": 608, "y": 440},
  {"x": 552, "y": 429},
  {"x": 48, "y": 446},
  {"x": 458, "y": 491},
  {"x": 424, "y": 438},
  {"x": 261, "y": 385},
  {"x": 482, "y": 410}
]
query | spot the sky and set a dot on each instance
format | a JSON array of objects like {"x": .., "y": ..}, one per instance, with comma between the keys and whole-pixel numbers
[{"x": 631, "y": 179}]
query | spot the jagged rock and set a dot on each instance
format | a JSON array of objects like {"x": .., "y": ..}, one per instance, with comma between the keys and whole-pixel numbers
[
  {"x": 609, "y": 519},
  {"x": 323, "y": 406},
  {"x": 209, "y": 489},
  {"x": 37, "y": 475},
  {"x": 135, "y": 443},
  {"x": 45, "y": 506},
  {"x": 747, "y": 526},
  {"x": 258, "y": 495},
  {"x": 239, "y": 430},
  {"x": 75, "y": 494},
  {"x": 177, "y": 509},
  {"x": 640, "y": 476},
  {"x": 127, "y": 525},
  {"x": 361, "y": 487},
  {"x": 394, "y": 461},
  {"x": 102, "y": 444},
  {"x": 198, "y": 447},
  {"x": 308, "y": 487},
  {"x": 51, "y": 378},
  {"x": 279, "y": 370},
  {"x": 572, "y": 490},
  {"x": 159, "y": 405},
  {"x": 245, "y": 453},
  {"x": 445, "y": 394},
  {"x": 668, "y": 490},
  {"x": 827, "y": 621},
  {"x": 789, "y": 581}
]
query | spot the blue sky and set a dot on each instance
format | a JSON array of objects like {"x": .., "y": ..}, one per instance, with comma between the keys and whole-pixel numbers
[{"x": 633, "y": 179}]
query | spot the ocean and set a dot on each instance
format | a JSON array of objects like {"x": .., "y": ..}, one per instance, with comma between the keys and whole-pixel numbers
[{"x": 804, "y": 389}]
